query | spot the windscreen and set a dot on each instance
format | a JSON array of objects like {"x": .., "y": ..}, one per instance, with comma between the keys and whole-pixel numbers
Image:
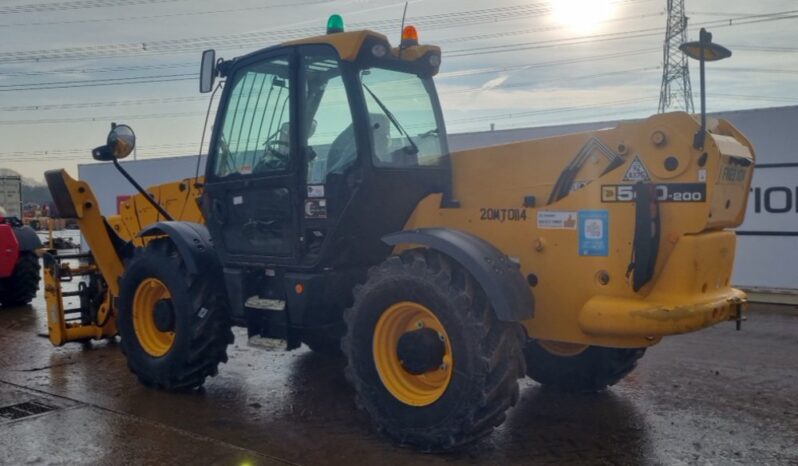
[{"x": 406, "y": 131}]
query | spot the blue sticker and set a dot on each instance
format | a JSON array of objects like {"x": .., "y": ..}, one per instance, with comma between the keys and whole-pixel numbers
[{"x": 594, "y": 232}]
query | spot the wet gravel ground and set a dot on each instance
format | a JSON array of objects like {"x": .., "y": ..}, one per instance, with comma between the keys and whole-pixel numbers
[{"x": 715, "y": 397}]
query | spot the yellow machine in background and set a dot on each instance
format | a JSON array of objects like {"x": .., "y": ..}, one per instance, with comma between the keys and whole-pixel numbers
[{"x": 332, "y": 214}]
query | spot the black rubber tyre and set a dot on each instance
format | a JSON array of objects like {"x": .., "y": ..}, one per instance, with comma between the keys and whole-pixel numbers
[
  {"x": 21, "y": 286},
  {"x": 201, "y": 322},
  {"x": 487, "y": 354},
  {"x": 592, "y": 370}
]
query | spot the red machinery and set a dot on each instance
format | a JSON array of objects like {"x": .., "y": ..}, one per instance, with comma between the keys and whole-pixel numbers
[{"x": 19, "y": 263}]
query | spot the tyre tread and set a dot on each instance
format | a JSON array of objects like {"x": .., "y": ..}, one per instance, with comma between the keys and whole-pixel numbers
[
  {"x": 209, "y": 337},
  {"x": 498, "y": 371}
]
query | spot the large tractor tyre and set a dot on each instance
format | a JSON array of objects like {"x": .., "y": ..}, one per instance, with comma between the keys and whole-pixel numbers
[
  {"x": 174, "y": 326},
  {"x": 21, "y": 286},
  {"x": 428, "y": 359},
  {"x": 571, "y": 369}
]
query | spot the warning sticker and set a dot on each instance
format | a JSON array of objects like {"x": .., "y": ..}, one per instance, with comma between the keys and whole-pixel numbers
[
  {"x": 594, "y": 233},
  {"x": 637, "y": 171},
  {"x": 315, "y": 208},
  {"x": 315, "y": 190},
  {"x": 556, "y": 220}
]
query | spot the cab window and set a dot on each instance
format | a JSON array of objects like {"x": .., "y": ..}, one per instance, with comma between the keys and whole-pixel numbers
[
  {"x": 328, "y": 123},
  {"x": 256, "y": 129},
  {"x": 402, "y": 118}
]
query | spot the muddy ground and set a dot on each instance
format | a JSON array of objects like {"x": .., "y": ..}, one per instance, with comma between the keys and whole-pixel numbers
[{"x": 715, "y": 397}]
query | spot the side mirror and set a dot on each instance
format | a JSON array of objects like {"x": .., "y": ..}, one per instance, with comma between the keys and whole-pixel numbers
[
  {"x": 120, "y": 143},
  {"x": 207, "y": 71}
]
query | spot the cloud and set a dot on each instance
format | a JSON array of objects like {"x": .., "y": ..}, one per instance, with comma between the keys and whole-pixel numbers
[{"x": 495, "y": 82}]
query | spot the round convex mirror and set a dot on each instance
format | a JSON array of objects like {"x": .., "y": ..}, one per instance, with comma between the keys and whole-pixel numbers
[{"x": 121, "y": 141}]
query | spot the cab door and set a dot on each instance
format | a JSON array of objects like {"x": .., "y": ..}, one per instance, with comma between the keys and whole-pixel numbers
[{"x": 251, "y": 202}]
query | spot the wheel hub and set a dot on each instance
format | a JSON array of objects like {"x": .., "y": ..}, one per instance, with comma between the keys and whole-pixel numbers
[
  {"x": 153, "y": 317},
  {"x": 164, "y": 315},
  {"x": 421, "y": 351},
  {"x": 413, "y": 353}
]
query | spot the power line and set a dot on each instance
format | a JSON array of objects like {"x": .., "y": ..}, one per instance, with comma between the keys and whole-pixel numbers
[
  {"x": 172, "y": 100},
  {"x": 548, "y": 81},
  {"x": 516, "y": 46},
  {"x": 192, "y": 64},
  {"x": 546, "y": 64},
  {"x": 98, "y": 118},
  {"x": 184, "y": 99},
  {"x": 456, "y": 74},
  {"x": 112, "y": 69},
  {"x": 100, "y": 82},
  {"x": 76, "y": 5},
  {"x": 112, "y": 103},
  {"x": 161, "y": 16},
  {"x": 192, "y": 76},
  {"x": 116, "y": 50},
  {"x": 430, "y": 22},
  {"x": 67, "y": 154},
  {"x": 165, "y": 78},
  {"x": 610, "y": 36},
  {"x": 497, "y": 35},
  {"x": 763, "y": 48}
]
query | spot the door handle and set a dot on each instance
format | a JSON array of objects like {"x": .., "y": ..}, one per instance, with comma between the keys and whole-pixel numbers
[{"x": 219, "y": 211}]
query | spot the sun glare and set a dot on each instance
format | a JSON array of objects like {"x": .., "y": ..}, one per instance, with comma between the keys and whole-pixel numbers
[{"x": 582, "y": 16}]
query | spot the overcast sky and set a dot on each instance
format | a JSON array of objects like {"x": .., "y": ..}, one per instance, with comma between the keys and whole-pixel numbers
[{"x": 69, "y": 68}]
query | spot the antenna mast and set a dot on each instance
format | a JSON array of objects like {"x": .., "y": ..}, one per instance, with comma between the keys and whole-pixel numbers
[{"x": 676, "y": 92}]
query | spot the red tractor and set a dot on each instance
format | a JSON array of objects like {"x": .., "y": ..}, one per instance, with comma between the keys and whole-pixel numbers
[{"x": 19, "y": 263}]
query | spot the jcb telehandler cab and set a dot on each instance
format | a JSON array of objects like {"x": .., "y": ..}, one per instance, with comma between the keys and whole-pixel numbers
[{"x": 332, "y": 213}]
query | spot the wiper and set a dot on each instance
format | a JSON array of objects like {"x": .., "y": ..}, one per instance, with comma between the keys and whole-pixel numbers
[
  {"x": 393, "y": 120},
  {"x": 426, "y": 134}
]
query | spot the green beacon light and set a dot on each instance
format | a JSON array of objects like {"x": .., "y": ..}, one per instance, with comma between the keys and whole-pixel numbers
[{"x": 335, "y": 24}]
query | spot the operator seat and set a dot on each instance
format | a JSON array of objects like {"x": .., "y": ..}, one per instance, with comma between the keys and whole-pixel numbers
[{"x": 343, "y": 150}]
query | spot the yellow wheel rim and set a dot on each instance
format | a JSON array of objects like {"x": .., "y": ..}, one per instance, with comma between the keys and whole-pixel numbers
[
  {"x": 415, "y": 390},
  {"x": 154, "y": 341}
]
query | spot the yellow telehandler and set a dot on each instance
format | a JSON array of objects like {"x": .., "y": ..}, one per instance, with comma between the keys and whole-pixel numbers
[{"x": 331, "y": 212}]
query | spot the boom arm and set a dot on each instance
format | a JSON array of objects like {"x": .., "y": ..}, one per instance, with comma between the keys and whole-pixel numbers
[{"x": 75, "y": 199}]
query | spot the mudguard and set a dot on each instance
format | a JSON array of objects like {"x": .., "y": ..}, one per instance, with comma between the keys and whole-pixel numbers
[
  {"x": 27, "y": 238},
  {"x": 193, "y": 242},
  {"x": 499, "y": 277}
]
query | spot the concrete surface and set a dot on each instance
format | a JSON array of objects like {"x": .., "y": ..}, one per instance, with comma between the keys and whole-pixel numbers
[{"x": 716, "y": 397}]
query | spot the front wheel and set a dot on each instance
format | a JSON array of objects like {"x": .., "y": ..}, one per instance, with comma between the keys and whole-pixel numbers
[
  {"x": 174, "y": 326},
  {"x": 571, "y": 368},
  {"x": 20, "y": 288},
  {"x": 429, "y": 360}
]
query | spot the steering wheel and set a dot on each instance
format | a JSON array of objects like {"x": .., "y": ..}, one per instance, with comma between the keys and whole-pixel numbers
[{"x": 273, "y": 158}]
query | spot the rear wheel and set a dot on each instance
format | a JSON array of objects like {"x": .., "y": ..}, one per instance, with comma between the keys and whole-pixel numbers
[
  {"x": 428, "y": 359},
  {"x": 576, "y": 368},
  {"x": 174, "y": 326},
  {"x": 21, "y": 286}
]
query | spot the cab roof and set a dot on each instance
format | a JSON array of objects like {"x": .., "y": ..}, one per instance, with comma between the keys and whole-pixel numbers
[{"x": 349, "y": 44}]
